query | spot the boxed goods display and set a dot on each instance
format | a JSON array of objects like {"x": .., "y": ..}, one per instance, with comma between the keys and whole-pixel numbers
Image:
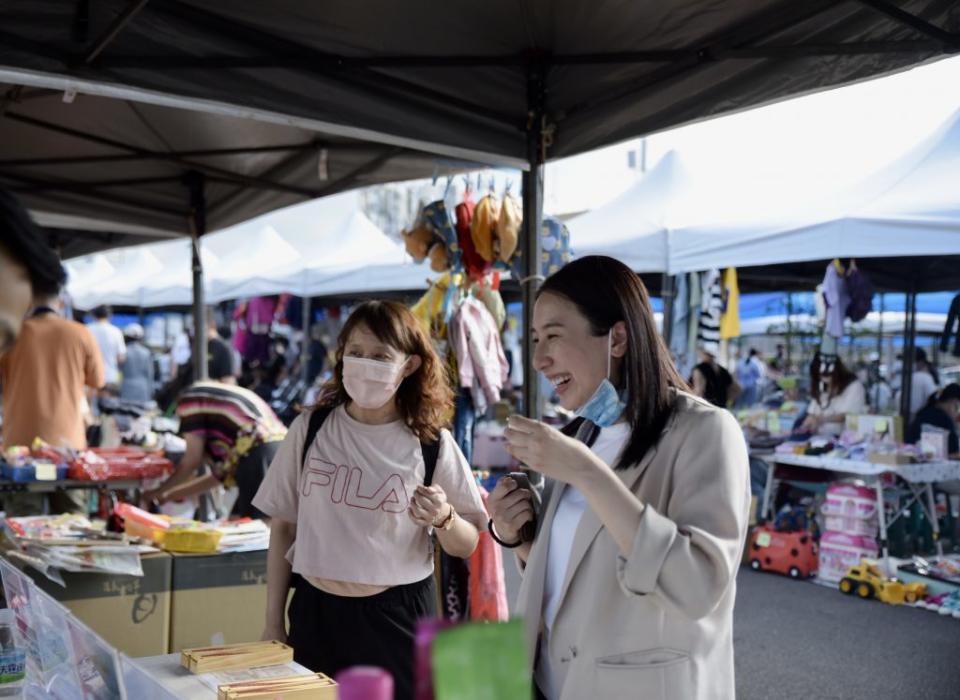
[
  {"x": 873, "y": 428},
  {"x": 236, "y": 581},
  {"x": 37, "y": 463},
  {"x": 315, "y": 687},
  {"x": 100, "y": 464},
  {"x": 130, "y": 612},
  {"x": 233, "y": 656},
  {"x": 851, "y": 509},
  {"x": 838, "y": 552}
]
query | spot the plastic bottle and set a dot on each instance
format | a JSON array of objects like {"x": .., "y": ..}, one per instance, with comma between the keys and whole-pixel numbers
[
  {"x": 13, "y": 661},
  {"x": 364, "y": 683}
]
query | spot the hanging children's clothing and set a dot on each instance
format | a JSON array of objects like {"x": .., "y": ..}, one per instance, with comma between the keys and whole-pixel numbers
[
  {"x": 836, "y": 297},
  {"x": 259, "y": 319},
  {"x": 711, "y": 309},
  {"x": 730, "y": 321},
  {"x": 481, "y": 362},
  {"x": 694, "y": 302}
]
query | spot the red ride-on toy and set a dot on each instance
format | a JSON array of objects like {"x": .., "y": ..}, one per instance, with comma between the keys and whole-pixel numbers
[{"x": 792, "y": 554}]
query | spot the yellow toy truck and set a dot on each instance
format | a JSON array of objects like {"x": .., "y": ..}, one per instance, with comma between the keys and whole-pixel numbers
[{"x": 867, "y": 582}]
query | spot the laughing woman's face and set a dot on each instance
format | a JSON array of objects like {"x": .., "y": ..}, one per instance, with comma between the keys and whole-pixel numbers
[
  {"x": 16, "y": 298},
  {"x": 566, "y": 351}
]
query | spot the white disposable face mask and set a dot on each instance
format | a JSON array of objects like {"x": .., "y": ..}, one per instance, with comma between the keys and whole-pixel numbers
[
  {"x": 371, "y": 383},
  {"x": 606, "y": 406}
]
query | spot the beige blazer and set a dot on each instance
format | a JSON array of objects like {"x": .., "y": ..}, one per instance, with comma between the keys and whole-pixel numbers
[{"x": 659, "y": 622}]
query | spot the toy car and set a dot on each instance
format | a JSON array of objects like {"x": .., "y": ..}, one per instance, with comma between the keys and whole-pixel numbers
[
  {"x": 793, "y": 554},
  {"x": 866, "y": 581}
]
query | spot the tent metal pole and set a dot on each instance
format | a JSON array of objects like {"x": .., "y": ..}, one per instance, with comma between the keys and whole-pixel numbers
[
  {"x": 668, "y": 292},
  {"x": 297, "y": 61},
  {"x": 194, "y": 182},
  {"x": 239, "y": 178},
  {"x": 532, "y": 217},
  {"x": 876, "y": 394},
  {"x": 123, "y": 157},
  {"x": 913, "y": 21},
  {"x": 84, "y": 193},
  {"x": 125, "y": 17},
  {"x": 909, "y": 345},
  {"x": 789, "y": 339}
]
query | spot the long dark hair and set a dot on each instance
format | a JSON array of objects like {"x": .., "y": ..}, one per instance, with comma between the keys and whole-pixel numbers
[
  {"x": 425, "y": 398},
  {"x": 840, "y": 377},
  {"x": 24, "y": 241},
  {"x": 606, "y": 291}
]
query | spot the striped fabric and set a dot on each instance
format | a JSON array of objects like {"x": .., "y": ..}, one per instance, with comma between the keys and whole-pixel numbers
[
  {"x": 711, "y": 310},
  {"x": 231, "y": 420}
]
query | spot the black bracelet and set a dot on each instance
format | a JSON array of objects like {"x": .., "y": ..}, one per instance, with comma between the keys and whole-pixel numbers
[{"x": 498, "y": 540}]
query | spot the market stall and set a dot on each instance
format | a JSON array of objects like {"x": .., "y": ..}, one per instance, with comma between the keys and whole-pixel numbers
[
  {"x": 50, "y": 650},
  {"x": 202, "y": 139},
  {"x": 917, "y": 478}
]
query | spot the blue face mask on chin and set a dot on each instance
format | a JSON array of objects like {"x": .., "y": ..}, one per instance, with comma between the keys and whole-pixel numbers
[{"x": 606, "y": 406}]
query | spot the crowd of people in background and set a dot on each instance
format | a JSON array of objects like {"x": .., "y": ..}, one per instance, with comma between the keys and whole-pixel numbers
[{"x": 833, "y": 390}]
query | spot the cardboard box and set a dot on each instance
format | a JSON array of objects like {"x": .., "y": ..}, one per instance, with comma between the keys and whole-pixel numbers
[
  {"x": 217, "y": 599},
  {"x": 130, "y": 612},
  {"x": 875, "y": 427},
  {"x": 889, "y": 458}
]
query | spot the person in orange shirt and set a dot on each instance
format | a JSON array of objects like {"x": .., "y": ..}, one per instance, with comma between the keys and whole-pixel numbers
[{"x": 44, "y": 377}]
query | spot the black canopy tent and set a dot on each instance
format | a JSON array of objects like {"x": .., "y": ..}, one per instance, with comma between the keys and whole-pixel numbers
[{"x": 508, "y": 82}]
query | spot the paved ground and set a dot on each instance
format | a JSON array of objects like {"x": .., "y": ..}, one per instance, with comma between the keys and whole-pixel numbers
[{"x": 797, "y": 640}]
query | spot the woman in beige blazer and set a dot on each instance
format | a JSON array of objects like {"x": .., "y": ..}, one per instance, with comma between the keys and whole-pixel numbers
[{"x": 628, "y": 587}]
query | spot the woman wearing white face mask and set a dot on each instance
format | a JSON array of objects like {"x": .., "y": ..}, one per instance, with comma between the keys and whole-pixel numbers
[
  {"x": 628, "y": 585},
  {"x": 354, "y": 492}
]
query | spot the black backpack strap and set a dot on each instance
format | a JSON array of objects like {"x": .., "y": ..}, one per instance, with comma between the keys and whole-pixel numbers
[
  {"x": 587, "y": 434},
  {"x": 431, "y": 453},
  {"x": 317, "y": 417}
]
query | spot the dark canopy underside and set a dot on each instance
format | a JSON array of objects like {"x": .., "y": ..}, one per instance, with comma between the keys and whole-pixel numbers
[{"x": 277, "y": 102}]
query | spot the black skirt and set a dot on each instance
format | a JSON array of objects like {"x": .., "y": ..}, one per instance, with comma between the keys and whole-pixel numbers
[{"x": 329, "y": 633}]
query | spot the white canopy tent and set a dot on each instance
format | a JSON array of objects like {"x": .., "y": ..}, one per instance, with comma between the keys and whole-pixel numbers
[
  {"x": 333, "y": 258},
  {"x": 671, "y": 222},
  {"x": 909, "y": 208},
  {"x": 158, "y": 274},
  {"x": 329, "y": 249},
  {"x": 634, "y": 227}
]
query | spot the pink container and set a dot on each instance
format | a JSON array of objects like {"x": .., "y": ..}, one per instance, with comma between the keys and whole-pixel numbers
[
  {"x": 838, "y": 552},
  {"x": 851, "y": 510},
  {"x": 427, "y": 629},
  {"x": 364, "y": 683}
]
